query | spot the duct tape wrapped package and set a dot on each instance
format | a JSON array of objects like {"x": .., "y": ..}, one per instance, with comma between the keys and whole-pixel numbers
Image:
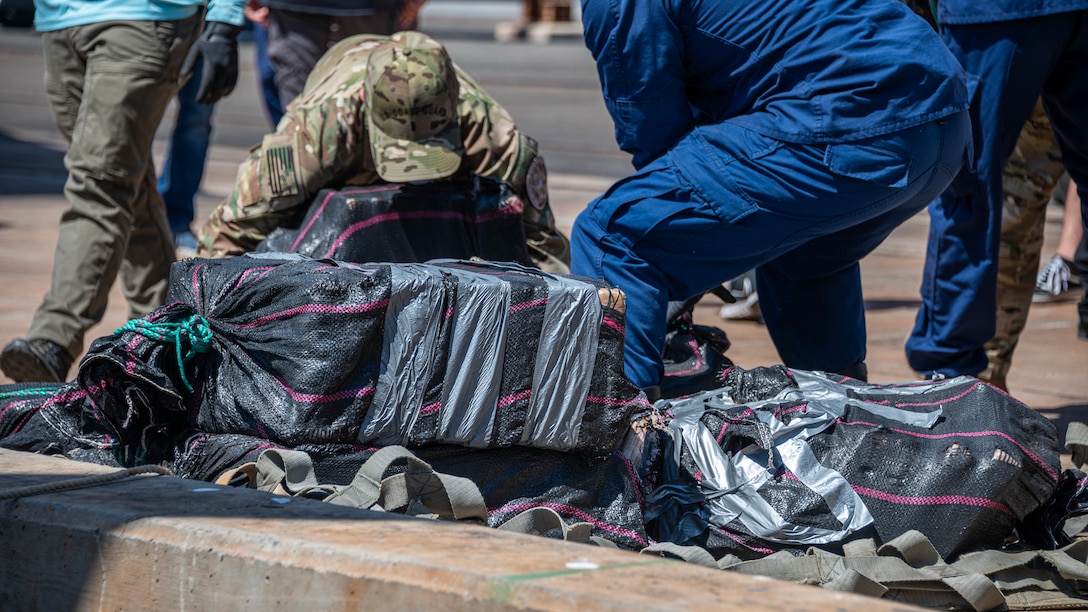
[
  {"x": 296, "y": 350},
  {"x": 784, "y": 459}
]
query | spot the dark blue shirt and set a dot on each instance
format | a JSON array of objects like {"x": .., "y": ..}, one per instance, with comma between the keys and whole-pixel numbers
[
  {"x": 800, "y": 71},
  {"x": 962, "y": 12}
]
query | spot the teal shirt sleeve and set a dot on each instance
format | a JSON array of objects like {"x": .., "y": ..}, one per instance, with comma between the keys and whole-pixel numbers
[{"x": 226, "y": 11}]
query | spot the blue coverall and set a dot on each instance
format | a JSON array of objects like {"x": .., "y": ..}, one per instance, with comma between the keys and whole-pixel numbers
[
  {"x": 788, "y": 135},
  {"x": 1013, "y": 51}
]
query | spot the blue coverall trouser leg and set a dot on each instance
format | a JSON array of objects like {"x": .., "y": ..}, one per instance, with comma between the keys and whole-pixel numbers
[
  {"x": 1014, "y": 63},
  {"x": 805, "y": 214}
]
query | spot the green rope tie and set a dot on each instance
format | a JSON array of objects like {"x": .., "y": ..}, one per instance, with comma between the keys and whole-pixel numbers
[
  {"x": 193, "y": 336},
  {"x": 29, "y": 392}
]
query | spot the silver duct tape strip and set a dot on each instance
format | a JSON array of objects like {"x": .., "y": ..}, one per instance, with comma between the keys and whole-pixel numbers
[
  {"x": 731, "y": 483},
  {"x": 473, "y": 380},
  {"x": 564, "y": 363},
  {"x": 412, "y": 323}
]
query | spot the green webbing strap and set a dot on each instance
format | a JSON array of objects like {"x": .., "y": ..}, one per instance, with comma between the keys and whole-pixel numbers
[
  {"x": 286, "y": 472},
  {"x": 1076, "y": 440},
  {"x": 691, "y": 554},
  {"x": 541, "y": 520},
  {"x": 909, "y": 569},
  {"x": 419, "y": 491},
  {"x": 190, "y": 337},
  {"x": 912, "y": 547},
  {"x": 449, "y": 497},
  {"x": 851, "y": 581}
]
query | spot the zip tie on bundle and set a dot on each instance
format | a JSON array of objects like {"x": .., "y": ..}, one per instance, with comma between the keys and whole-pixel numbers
[{"x": 194, "y": 334}]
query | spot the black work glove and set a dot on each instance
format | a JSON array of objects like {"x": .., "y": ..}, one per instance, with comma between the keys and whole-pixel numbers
[{"x": 218, "y": 47}]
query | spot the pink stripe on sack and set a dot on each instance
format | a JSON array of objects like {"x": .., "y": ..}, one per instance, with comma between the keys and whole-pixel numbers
[
  {"x": 22, "y": 422},
  {"x": 422, "y": 214},
  {"x": 942, "y": 401},
  {"x": 634, "y": 477},
  {"x": 965, "y": 434},
  {"x": 531, "y": 304},
  {"x": 315, "y": 308},
  {"x": 608, "y": 401},
  {"x": 570, "y": 511},
  {"x": 739, "y": 540},
  {"x": 698, "y": 360},
  {"x": 193, "y": 281},
  {"x": 732, "y": 420},
  {"x": 524, "y": 394},
  {"x": 245, "y": 275},
  {"x": 313, "y": 219},
  {"x": 933, "y": 500},
  {"x": 616, "y": 326},
  {"x": 79, "y": 394},
  {"x": 430, "y": 409},
  {"x": 313, "y": 398}
]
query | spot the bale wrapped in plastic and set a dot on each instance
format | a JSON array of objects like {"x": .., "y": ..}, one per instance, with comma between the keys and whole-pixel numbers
[
  {"x": 603, "y": 491},
  {"x": 406, "y": 223},
  {"x": 784, "y": 459},
  {"x": 29, "y": 422},
  {"x": 296, "y": 350}
]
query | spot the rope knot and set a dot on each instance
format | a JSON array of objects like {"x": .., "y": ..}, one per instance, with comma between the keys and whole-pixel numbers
[{"x": 190, "y": 337}]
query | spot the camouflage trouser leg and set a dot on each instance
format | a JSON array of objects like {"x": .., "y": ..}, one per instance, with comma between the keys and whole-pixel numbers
[{"x": 1029, "y": 179}]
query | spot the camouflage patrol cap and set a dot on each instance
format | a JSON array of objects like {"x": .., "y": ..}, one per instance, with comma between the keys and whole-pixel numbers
[{"x": 411, "y": 95}]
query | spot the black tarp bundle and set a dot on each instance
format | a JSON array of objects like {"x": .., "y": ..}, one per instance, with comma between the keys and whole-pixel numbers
[
  {"x": 783, "y": 459},
  {"x": 299, "y": 351},
  {"x": 405, "y": 223}
]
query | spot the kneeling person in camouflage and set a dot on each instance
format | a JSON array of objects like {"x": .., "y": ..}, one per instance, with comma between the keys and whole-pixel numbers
[{"x": 383, "y": 109}]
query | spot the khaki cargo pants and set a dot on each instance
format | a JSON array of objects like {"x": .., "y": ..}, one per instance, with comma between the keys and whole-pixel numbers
[{"x": 108, "y": 85}]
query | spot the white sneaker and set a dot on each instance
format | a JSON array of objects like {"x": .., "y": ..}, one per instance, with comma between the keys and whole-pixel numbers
[
  {"x": 746, "y": 308},
  {"x": 1056, "y": 282},
  {"x": 184, "y": 246}
]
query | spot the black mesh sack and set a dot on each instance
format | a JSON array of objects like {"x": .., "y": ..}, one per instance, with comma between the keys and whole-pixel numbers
[
  {"x": 475, "y": 354},
  {"x": 694, "y": 357},
  {"x": 409, "y": 223},
  {"x": 814, "y": 461},
  {"x": 30, "y": 422},
  {"x": 603, "y": 491}
]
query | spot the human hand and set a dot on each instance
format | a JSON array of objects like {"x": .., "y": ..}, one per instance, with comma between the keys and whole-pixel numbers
[
  {"x": 256, "y": 12},
  {"x": 218, "y": 48}
]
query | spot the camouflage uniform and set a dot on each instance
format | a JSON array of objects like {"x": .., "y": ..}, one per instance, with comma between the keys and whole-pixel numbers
[
  {"x": 1029, "y": 178},
  {"x": 323, "y": 141}
]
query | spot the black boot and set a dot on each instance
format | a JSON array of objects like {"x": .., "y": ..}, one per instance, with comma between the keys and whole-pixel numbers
[
  {"x": 36, "y": 360},
  {"x": 858, "y": 371}
]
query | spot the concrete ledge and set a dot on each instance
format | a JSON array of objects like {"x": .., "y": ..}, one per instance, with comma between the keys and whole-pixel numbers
[{"x": 153, "y": 542}]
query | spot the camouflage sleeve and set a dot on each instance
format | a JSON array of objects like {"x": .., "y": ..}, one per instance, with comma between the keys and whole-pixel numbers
[
  {"x": 495, "y": 147},
  {"x": 320, "y": 142}
]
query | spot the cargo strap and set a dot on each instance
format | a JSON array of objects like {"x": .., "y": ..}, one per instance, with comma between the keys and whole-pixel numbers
[
  {"x": 1076, "y": 441},
  {"x": 419, "y": 491},
  {"x": 909, "y": 569}
]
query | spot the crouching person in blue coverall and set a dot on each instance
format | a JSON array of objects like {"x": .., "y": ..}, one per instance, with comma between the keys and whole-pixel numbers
[{"x": 784, "y": 135}]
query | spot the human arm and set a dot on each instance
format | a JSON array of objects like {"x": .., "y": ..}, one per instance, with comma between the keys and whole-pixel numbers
[
  {"x": 321, "y": 142},
  {"x": 638, "y": 47}
]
